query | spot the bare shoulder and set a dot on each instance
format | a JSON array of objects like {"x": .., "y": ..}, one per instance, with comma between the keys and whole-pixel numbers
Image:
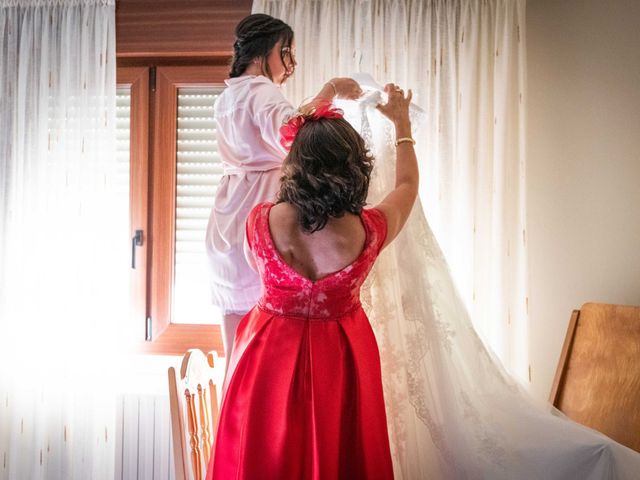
[
  {"x": 282, "y": 212},
  {"x": 283, "y": 218}
]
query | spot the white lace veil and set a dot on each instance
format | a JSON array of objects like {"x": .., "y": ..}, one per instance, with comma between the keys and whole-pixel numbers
[{"x": 453, "y": 410}]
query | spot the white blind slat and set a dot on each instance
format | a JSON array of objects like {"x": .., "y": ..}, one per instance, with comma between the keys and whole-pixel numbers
[
  {"x": 198, "y": 173},
  {"x": 123, "y": 134}
]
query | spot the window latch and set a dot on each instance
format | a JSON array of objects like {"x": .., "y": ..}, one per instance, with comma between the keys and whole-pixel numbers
[{"x": 136, "y": 241}]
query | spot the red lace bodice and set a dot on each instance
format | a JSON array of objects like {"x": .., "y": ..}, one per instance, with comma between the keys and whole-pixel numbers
[{"x": 287, "y": 292}]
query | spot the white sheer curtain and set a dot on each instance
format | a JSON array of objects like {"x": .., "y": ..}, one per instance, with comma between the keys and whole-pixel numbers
[
  {"x": 63, "y": 218},
  {"x": 465, "y": 62},
  {"x": 453, "y": 411}
]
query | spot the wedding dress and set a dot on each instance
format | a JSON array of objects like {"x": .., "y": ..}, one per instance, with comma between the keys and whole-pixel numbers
[{"x": 453, "y": 411}]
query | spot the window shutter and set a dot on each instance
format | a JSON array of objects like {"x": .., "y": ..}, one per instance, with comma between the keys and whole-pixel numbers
[
  {"x": 199, "y": 170},
  {"x": 123, "y": 136}
]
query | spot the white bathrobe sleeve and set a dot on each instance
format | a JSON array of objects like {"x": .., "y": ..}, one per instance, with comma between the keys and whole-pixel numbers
[{"x": 270, "y": 111}]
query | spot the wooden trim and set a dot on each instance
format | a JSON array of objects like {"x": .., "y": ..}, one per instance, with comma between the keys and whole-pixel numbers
[
  {"x": 554, "y": 397},
  {"x": 221, "y": 53},
  {"x": 194, "y": 76},
  {"x": 176, "y": 339},
  {"x": 166, "y": 337},
  {"x": 138, "y": 79},
  {"x": 163, "y": 203},
  {"x": 205, "y": 60}
]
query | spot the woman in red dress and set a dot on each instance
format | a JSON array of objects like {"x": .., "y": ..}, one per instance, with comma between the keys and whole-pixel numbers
[{"x": 303, "y": 395}]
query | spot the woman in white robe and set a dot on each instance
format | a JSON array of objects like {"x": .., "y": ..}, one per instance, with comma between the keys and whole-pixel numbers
[{"x": 248, "y": 116}]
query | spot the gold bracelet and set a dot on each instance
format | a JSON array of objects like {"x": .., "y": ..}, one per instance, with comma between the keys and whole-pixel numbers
[
  {"x": 405, "y": 140},
  {"x": 335, "y": 90}
]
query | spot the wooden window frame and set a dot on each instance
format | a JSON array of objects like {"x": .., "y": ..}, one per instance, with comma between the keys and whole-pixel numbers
[
  {"x": 137, "y": 78},
  {"x": 153, "y": 204}
]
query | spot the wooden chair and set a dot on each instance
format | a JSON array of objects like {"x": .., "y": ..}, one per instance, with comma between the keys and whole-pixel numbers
[
  {"x": 194, "y": 396},
  {"x": 597, "y": 381}
]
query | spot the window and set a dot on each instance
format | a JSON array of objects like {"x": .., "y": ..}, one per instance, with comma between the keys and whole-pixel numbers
[
  {"x": 199, "y": 170},
  {"x": 174, "y": 172}
]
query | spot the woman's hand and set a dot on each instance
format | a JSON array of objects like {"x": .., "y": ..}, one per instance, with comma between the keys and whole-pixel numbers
[
  {"x": 397, "y": 107},
  {"x": 346, "y": 88}
]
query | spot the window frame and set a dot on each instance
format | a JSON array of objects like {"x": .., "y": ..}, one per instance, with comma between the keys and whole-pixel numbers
[
  {"x": 137, "y": 79},
  {"x": 153, "y": 151}
]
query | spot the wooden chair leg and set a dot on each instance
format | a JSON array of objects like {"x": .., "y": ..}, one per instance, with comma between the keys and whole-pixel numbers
[
  {"x": 204, "y": 423},
  {"x": 196, "y": 456}
]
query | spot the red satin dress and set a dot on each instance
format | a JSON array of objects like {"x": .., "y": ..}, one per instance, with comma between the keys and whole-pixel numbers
[{"x": 303, "y": 397}]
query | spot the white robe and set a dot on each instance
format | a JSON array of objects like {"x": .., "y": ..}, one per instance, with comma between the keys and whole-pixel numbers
[{"x": 248, "y": 116}]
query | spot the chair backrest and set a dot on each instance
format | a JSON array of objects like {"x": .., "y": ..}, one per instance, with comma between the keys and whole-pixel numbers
[
  {"x": 194, "y": 396},
  {"x": 597, "y": 381}
]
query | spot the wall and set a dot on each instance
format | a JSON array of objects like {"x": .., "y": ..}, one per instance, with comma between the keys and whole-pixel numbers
[{"x": 583, "y": 166}]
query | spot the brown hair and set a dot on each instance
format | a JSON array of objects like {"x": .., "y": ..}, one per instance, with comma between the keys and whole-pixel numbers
[
  {"x": 256, "y": 35},
  {"x": 326, "y": 173}
]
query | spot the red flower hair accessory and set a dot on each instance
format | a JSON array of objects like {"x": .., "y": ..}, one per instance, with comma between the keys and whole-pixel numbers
[{"x": 290, "y": 129}]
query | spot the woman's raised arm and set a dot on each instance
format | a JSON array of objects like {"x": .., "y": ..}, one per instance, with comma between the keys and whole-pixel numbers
[{"x": 397, "y": 205}]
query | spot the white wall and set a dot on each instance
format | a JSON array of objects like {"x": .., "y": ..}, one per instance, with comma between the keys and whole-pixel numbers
[{"x": 583, "y": 165}]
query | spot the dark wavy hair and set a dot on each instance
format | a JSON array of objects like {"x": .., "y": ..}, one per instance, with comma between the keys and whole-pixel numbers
[
  {"x": 326, "y": 173},
  {"x": 256, "y": 35}
]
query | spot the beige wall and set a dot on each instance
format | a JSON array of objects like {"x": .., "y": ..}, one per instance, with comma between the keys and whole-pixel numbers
[{"x": 583, "y": 165}]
